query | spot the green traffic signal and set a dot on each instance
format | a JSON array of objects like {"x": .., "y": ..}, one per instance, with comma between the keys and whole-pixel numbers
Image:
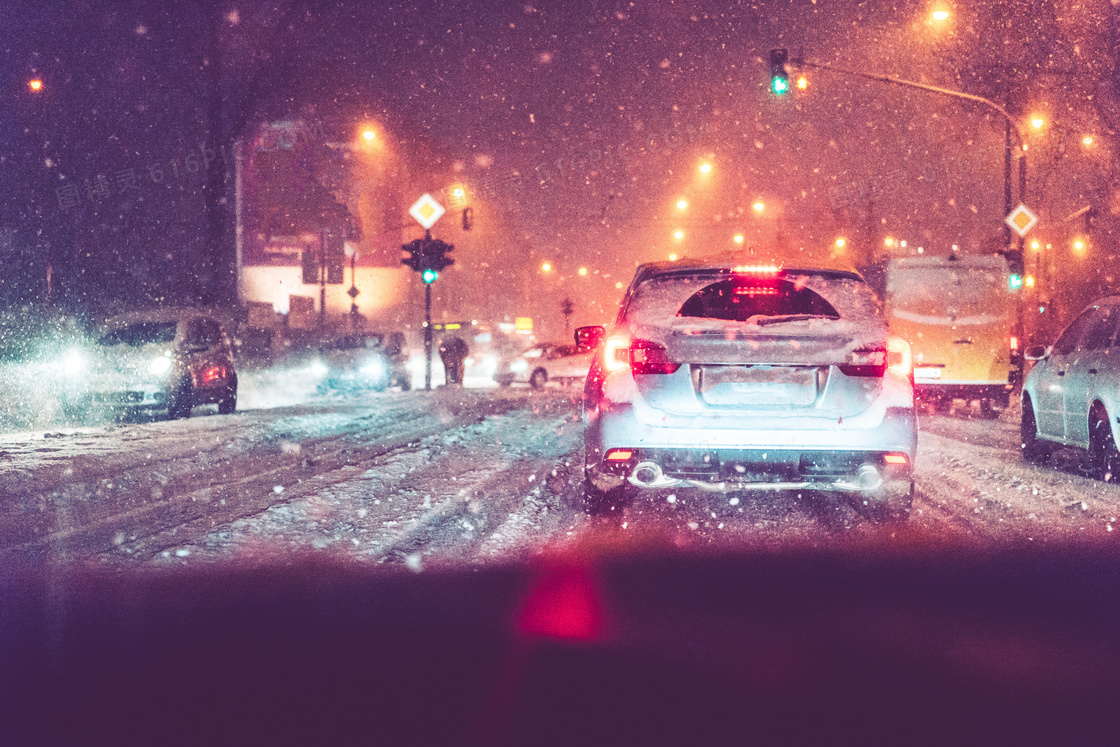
[
  {"x": 1014, "y": 282},
  {"x": 429, "y": 276},
  {"x": 779, "y": 75}
]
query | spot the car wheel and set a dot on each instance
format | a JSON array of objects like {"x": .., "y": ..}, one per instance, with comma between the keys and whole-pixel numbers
[
  {"x": 1034, "y": 449},
  {"x": 1102, "y": 447},
  {"x": 181, "y": 401},
  {"x": 538, "y": 379},
  {"x": 598, "y": 502},
  {"x": 228, "y": 403}
]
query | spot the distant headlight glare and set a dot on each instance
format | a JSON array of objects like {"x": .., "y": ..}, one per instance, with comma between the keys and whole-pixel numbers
[
  {"x": 160, "y": 365},
  {"x": 374, "y": 367},
  {"x": 74, "y": 363},
  {"x": 319, "y": 368}
]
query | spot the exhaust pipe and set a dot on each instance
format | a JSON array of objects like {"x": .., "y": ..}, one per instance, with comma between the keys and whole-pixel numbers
[
  {"x": 867, "y": 477},
  {"x": 647, "y": 474}
]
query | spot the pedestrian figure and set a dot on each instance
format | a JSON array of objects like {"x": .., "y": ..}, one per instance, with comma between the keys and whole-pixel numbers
[{"x": 453, "y": 352}]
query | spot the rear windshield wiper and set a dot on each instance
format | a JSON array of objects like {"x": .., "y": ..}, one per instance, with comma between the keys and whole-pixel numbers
[{"x": 767, "y": 320}]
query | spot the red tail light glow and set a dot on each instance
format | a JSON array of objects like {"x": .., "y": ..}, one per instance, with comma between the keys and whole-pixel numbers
[
  {"x": 616, "y": 353},
  {"x": 899, "y": 358},
  {"x": 756, "y": 269},
  {"x": 619, "y": 455},
  {"x": 895, "y": 459},
  {"x": 650, "y": 358},
  {"x": 211, "y": 374}
]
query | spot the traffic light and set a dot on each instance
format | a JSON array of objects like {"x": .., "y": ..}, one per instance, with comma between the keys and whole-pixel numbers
[
  {"x": 1014, "y": 281},
  {"x": 779, "y": 77},
  {"x": 428, "y": 256}
]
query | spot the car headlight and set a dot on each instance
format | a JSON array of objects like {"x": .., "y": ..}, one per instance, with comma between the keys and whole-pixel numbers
[
  {"x": 319, "y": 368},
  {"x": 160, "y": 365},
  {"x": 374, "y": 367},
  {"x": 74, "y": 363},
  {"x": 520, "y": 365}
]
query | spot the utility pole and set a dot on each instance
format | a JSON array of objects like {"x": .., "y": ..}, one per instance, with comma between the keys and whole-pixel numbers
[{"x": 322, "y": 280}]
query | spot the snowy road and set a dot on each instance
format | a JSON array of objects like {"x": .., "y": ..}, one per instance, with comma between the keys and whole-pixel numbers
[{"x": 456, "y": 476}]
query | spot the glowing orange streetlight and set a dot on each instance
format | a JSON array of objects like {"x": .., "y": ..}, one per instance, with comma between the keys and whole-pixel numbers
[
  {"x": 546, "y": 267},
  {"x": 35, "y": 85},
  {"x": 682, "y": 204},
  {"x": 737, "y": 238},
  {"x": 369, "y": 134},
  {"x": 673, "y": 257},
  {"x": 940, "y": 15},
  {"x": 1037, "y": 122},
  {"x": 678, "y": 235},
  {"x": 583, "y": 271},
  {"x": 759, "y": 206},
  {"x": 705, "y": 168}
]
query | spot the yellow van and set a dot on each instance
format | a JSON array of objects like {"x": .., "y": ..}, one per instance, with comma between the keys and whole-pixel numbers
[{"x": 957, "y": 313}]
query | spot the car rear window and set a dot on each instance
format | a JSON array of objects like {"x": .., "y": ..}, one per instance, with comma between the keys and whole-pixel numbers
[
  {"x": 740, "y": 299},
  {"x": 142, "y": 333},
  {"x": 665, "y": 298}
]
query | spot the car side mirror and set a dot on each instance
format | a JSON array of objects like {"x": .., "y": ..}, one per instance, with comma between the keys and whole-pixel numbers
[
  {"x": 1035, "y": 352},
  {"x": 590, "y": 337}
]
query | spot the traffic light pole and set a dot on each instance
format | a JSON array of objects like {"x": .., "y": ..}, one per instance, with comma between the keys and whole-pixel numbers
[{"x": 428, "y": 336}]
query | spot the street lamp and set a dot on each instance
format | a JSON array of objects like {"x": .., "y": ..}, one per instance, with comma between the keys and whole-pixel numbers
[
  {"x": 546, "y": 267},
  {"x": 705, "y": 168},
  {"x": 583, "y": 271},
  {"x": 369, "y": 134},
  {"x": 759, "y": 206},
  {"x": 678, "y": 235},
  {"x": 940, "y": 15},
  {"x": 1037, "y": 121},
  {"x": 35, "y": 85},
  {"x": 737, "y": 238},
  {"x": 682, "y": 204}
]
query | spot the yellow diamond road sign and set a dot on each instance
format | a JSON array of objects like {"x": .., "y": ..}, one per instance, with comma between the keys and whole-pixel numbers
[
  {"x": 426, "y": 211},
  {"x": 1021, "y": 220}
]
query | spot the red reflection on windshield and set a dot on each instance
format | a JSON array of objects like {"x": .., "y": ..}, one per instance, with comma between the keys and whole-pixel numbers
[{"x": 562, "y": 603}]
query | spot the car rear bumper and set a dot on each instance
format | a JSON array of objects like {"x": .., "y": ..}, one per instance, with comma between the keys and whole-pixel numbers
[
  {"x": 998, "y": 392},
  {"x": 837, "y": 457}
]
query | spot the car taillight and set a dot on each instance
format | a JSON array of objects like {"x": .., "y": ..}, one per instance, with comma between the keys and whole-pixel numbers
[
  {"x": 866, "y": 362},
  {"x": 1014, "y": 344},
  {"x": 616, "y": 353},
  {"x": 899, "y": 358},
  {"x": 650, "y": 358}
]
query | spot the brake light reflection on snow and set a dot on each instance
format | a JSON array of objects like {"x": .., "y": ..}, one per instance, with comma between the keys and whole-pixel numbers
[{"x": 562, "y": 603}]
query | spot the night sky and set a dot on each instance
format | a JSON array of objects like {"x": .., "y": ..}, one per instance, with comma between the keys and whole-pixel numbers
[{"x": 517, "y": 94}]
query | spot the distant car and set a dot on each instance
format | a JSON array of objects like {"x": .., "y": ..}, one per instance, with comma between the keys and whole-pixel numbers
[
  {"x": 359, "y": 361},
  {"x": 1072, "y": 395},
  {"x": 547, "y": 362},
  {"x": 168, "y": 360},
  {"x": 727, "y": 377}
]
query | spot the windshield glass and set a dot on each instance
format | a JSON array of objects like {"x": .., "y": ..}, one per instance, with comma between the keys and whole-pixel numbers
[
  {"x": 146, "y": 333},
  {"x": 810, "y": 240}
]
